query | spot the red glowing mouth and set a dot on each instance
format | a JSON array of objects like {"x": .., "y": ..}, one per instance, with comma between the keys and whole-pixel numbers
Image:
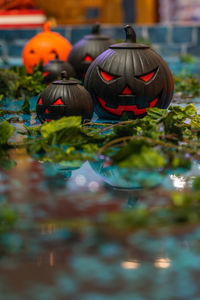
[{"x": 120, "y": 109}]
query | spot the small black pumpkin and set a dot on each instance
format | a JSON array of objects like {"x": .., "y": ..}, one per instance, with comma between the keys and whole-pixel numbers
[
  {"x": 128, "y": 78},
  {"x": 64, "y": 98},
  {"x": 53, "y": 69},
  {"x": 87, "y": 49}
]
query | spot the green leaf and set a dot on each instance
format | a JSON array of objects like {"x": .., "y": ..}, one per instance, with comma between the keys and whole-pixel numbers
[
  {"x": 52, "y": 127},
  {"x": 16, "y": 83},
  {"x": 6, "y": 130},
  {"x": 155, "y": 113},
  {"x": 196, "y": 183},
  {"x": 26, "y": 106},
  {"x": 6, "y": 163},
  {"x": 187, "y": 85},
  {"x": 188, "y": 58},
  {"x": 138, "y": 154}
]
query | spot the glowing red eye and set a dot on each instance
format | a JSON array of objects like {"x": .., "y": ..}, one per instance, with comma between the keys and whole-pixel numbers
[
  {"x": 147, "y": 77},
  {"x": 58, "y": 102},
  {"x": 107, "y": 76},
  {"x": 45, "y": 74},
  {"x": 40, "y": 101},
  {"x": 88, "y": 58}
]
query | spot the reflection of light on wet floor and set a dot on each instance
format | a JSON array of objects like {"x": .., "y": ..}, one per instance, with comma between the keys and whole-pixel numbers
[
  {"x": 80, "y": 180},
  {"x": 48, "y": 228},
  {"x": 51, "y": 228},
  {"x": 162, "y": 263},
  {"x": 51, "y": 259},
  {"x": 93, "y": 186},
  {"x": 130, "y": 264},
  {"x": 179, "y": 182},
  {"x": 85, "y": 177}
]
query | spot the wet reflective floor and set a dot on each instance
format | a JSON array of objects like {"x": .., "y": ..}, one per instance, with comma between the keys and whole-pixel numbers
[
  {"x": 53, "y": 252},
  {"x": 43, "y": 259}
]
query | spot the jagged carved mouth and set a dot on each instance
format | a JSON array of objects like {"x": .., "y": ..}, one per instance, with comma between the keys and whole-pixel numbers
[
  {"x": 46, "y": 115},
  {"x": 126, "y": 108}
]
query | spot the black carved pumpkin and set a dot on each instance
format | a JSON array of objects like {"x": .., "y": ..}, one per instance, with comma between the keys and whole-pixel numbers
[
  {"x": 53, "y": 69},
  {"x": 64, "y": 98},
  {"x": 87, "y": 49},
  {"x": 128, "y": 78}
]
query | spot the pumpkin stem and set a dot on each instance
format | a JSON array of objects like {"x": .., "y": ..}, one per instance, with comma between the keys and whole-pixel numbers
[
  {"x": 47, "y": 26},
  {"x": 56, "y": 54},
  {"x": 96, "y": 28},
  {"x": 130, "y": 34},
  {"x": 64, "y": 75}
]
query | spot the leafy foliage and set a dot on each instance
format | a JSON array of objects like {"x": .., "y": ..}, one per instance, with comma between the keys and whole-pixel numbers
[
  {"x": 187, "y": 85},
  {"x": 1, "y": 111},
  {"x": 163, "y": 139},
  {"x": 6, "y": 131},
  {"x": 8, "y": 218},
  {"x": 188, "y": 58},
  {"x": 16, "y": 83},
  {"x": 63, "y": 140}
]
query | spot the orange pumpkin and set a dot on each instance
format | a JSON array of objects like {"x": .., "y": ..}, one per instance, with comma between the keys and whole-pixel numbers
[{"x": 44, "y": 47}]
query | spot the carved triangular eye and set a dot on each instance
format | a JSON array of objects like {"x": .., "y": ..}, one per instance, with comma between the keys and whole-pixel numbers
[
  {"x": 45, "y": 74},
  {"x": 40, "y": 101},
  {"x": 147, "y": 77},
  {"x": 88, "y": 58},
  {"x": 58, "y": 102},
  {"x": 107, "y": 76}
]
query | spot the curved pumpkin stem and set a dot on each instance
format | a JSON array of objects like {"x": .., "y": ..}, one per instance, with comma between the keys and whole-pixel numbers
[
  {"x": 64, "y": 75},
  {"x": 130, "y": 34},
  {"x": 47, "y": 26},
  {"x": 96, "y": 28}
]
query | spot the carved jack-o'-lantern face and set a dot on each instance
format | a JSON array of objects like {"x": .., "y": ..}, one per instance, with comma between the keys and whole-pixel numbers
[
  {"x": 128, "y": 78},
  {"x": 44, "y": 47},
  {"x": 64, "y": 98},
  {"x": 87, "y": 49}
]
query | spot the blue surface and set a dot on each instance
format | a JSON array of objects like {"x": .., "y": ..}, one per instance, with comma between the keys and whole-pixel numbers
[
  {"x": 164, "y": 36},
  {"x": 181, "y": 34},
  {"x": 79, "y": 32},
  {"x": 15, "y": 50},
  {"x": 174, "y": 51},
  {"x": 12, "y": 34},
  {"x": 158, "y": 34},
  {"x": 194, "y": 50}
]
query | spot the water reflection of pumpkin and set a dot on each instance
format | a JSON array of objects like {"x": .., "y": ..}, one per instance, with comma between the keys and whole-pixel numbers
[
  {"x": 64, "y": 203},
  {"x": 56, "y": 176},
  {"x": 126, "y": 179}
]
